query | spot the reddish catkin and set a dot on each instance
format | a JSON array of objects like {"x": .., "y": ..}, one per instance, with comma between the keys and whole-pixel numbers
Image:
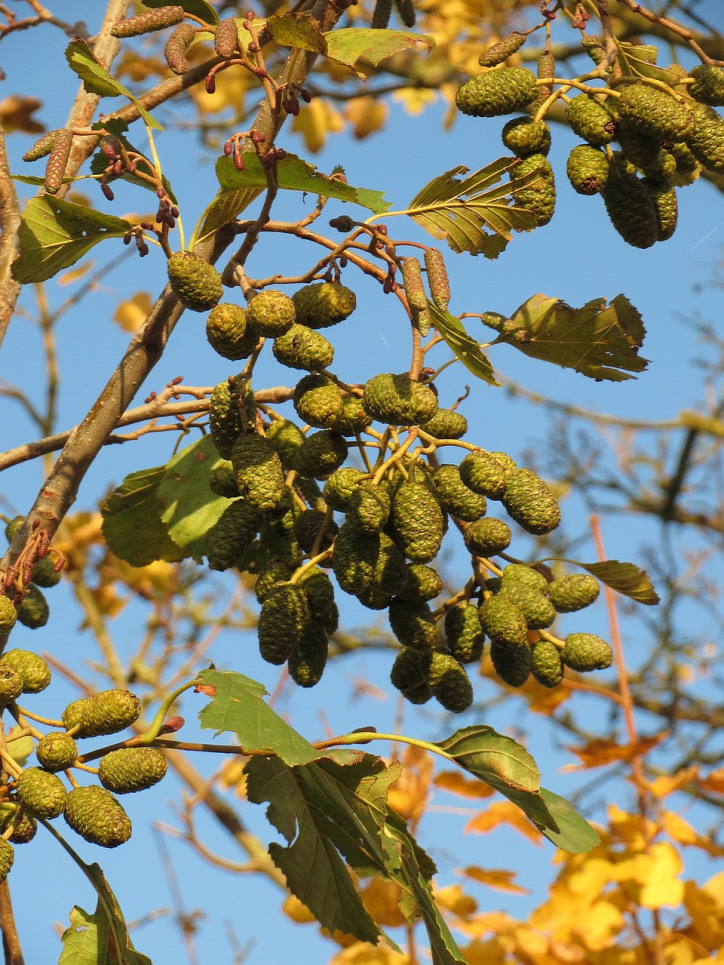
[
  {"x": 226, "y": 38},
  {"x": 412, "y": 280},
  {"x": 147, "y": 22},
  {"x": 176, "y": 45},
  {"x": 437, "y": 278},
  {"x": 42, "y": 146},
  {"x": 55, "y": 168}
]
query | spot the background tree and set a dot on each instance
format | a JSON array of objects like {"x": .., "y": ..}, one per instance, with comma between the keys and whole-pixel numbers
[{"x": 147, "y": 566}]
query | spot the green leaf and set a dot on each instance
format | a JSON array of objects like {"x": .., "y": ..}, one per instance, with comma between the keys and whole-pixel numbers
[
  {"x": 326, "y": 812},
  {"x": 639, "y": 60},
  {"x": 498, "y": 760},
  {"x": 599, "y": 341},
  {"x": 132, "y": 525},
  {"x": 351, "y": 44},
  {"x": 297, "y": 30},
  {"x": 625, "y": 578},
  {"x": 238, "y": 705},
  {"x": 188, "y": 506},
  {"x": 463, "y": 345},
  {"x": 54, "y": 234},
  {"x": 197, "y": 8},
  {"x": 97, "y": 80},
  {"x": 101, "y": 938},
  {"x": 472, "y": 214},
  {"x": 575, "y": 835}
]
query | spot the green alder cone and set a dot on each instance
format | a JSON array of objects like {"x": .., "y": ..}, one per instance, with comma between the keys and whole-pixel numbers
[
  {"x": 503, "y": 621},
  {"x": 463, "y": 632},
  {"x": 339, "y": 487},
  {"x": 229, "y": 334},
  {"x": 546, "y": 664},
  {"x": 195, "y": 282},
  {"x": 33, "y": 611},
  {"x": 318, "y": 401},
  {"x": 585, "y": 652},
  {"x": 301, "y": 347},
  {"x": 147, "y": 22},
  {"x": 225, "y": 421},
  {"x": 688, "y": 168},
  {"x": 409, "y": 669},
  {"x": 274, "y": 573},
  {"x": 446, "y": 424},
  {"x": 587, "y": 169},
  {"x": 374, "y": 598},
  {"x": 368, "y": 508},
  {"x": 8, "y": 615},
  {"x": 631, "y": 210},
  {"x": 107, "y": 712},
  {"x": 574, "y": 592},
  {"x": 413, "y": 624},
  {"x": 94, "y": 814},
  {"x": 321, "y": 454},
  {"x": 412, "y": 282},
  {"x": 309, "y": 658},
  {"x": 354, "y": 417},
  {"x": 354, "y": 558},
  {"x": 323, "y": 304},
  {"x": 484, "y": 473},
  {"x": 319, "y": 591},
  {"x": 42, "y": 147},
  {"x": 512, "y": 664},
  {"x": 259, "y": 473},
  {"x": 591, "y": 119},
  {"x": 399, "y": 400},
  {"x": 529, "y": 501},
  {"x": 455, "y": 496},
  {"x": 34, "y": 671},
  {"x": 391, "y": 572},
  {"x": 497, "y": 92},
  {"x": 523, "y": 136},
  {"x": 7, "y": 856},
  {"x": 537, "y": 609},
  {"x": 41, "y": 792},
  {"x": 231, "y": 535},
  {"x": 283, "y": 615},
  {"x": 655, "y": 112},
  {"x": 307, "y": 527},
  {"x": 131, "y": 769},
  {"x": 222, "y": 480},
  {"x": 637, "y": 149},
  {"x": 270, "y": 313},
  {"x": 538, "y": 197},
  {"x": 285, "y": 437},
  {"x": 423, "y": 584},
  {"x": 417, "y": 522},
  {"x": 449, "y": 682},
  {"x": 522, "y": 575},
  {"x": 500, "y": 51},
  {"x": 44, "y": 573},
  {"x": 706, "y": 140},
  {"x": 11, "y": 684},
  {"x": 25, "y": 827},
  {"x": 437, "y": 278},
  {"x": 487, "y": 537},
  {"x": 663, "y": 194},
  {"x": 56, "y": 751},
  {"x": 708, "y": 86}
]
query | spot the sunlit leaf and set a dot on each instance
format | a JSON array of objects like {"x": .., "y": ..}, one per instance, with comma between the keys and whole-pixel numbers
[
  {"x": 463, "y": 345},
  {"x": 97, "y": 80},
  {"x": 597, "y": 340},
  {"x": 197, "y": 8},
  {"x": 574, "y": 834},
  {"x": 366, "y": 114},
  {"x": 626, "y": 578},
  {"x": 298, "y": 30},
  {"x": 351, "y": 45},
  {"x": 496, "y": 878},
  {"x": 316, "y": 121},
  {"x": 456, "y": 783},
  {"x": 132, "y": 312},
  {"x": 473, "y": 214},
  {"x": 639, "y": 60},
  {"x": 132, "y": 525},
  {"x": 600, "y": 751},
  {"x": 54, "y": 234},
  {"x": 498, "y": 760}
]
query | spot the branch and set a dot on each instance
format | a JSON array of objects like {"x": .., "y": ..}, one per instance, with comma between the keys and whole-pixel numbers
[{"x": 9, "y": 224}]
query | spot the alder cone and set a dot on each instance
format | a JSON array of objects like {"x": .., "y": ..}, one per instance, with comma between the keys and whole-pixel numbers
[
  {"x": 271, "y": 313},
  {"x": 463, "y": 634},
  {"x": 321, "y": 454},
  {"x": 524, "y": 136},
  {"x": 497, "y": 92},
  {"x": 399, "y": 400},
  {"x": 487, "y": 537},
  {"x": 446, "y": 424},
  {"x": 455, "y": 496},
  {"x": 503, "y": 622},
  {"x": 131, "y": 769},
  {"x": 708, "y": 86},
  {"x": 484, "y": 473},
  {"x": 309, "y": 658},
  {"x": 573, "y": 592},
  {"x": 8, "y": 614},
  {"x": 7, "y": 856},
  {"x": 522, "y": 575},
  {"x": 56, "y": 751},
  {"x": 417, "y": 522},
  {"x": 354, "y": 558},
  {"x": 11, "y": 685},
  {"x": 591, "y": 119},
  {"x": 33, "y": 611},
  {"x": 106, "y": 712},
  {"x": 587, "y": 169},
  {"x": 706, "y": 141},
  {"x": 318, "y": 401},
  {"x": 340, "y": 486},
  {"x": 259, "y": 473},
  {"x": 537, "y": 609},
  {"x": 41, "y": 792},
  {"x": 529, "y": 501},
  {"x": 301, "y": 347},
  {"x": 195, "y": 282},
  {"x": 228, "y": 333},
  {"x": 413, "y": 624},
  {"x": 423, "y": 584},
  {"x": 539, "y": 196},
  {"x": 631, "y": 210},
  {"x": 512, "y": 664},
  {"x": 281, "y": 620},
  {"x": 585, "y": 652},
  {"x": 286, "y": 437},
  {"x": 231, "y": 535},
  {"x": 323, "y": 304},
  {"x": 354, "y": 417},
  {"x": 546, "y": 665},
  {"x": 94, "y": 814},
  {"x": 449, "y": 682},
  {"x": 655, "y": 113}
]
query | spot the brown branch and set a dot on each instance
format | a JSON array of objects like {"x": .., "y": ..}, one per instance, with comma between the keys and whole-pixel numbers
[
  {"x": 9, "y": 224},
  {"x": 11, "y": 940}
]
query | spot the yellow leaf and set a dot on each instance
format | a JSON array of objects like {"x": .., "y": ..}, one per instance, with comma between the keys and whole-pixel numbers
[
  {"x": 599, "y": 752},
  {"x": 366, "y": 115},
  {"x": 315, "y": 121},
  {"x": 667, "y": 784},
  {"x": 631, "y": 829},
  {"x": 503, "y": 812},
  {"x": 682, "y": 832},
  {"x": 599, "y": 925},
  {"x": 68, "y": 277},
  {"x": 16, "y": 114},
  {"x": 706, "y": 909},
  {"x": 456, "y": 783},
  {"x": 133, "y": 312},
  {"x": 496, "y": 878},
  {"x": 714, "y": 781},
  {"x": 381, "y": 899},
  {"x": 490, "y": 952},
  {"x": 231, "y": 89},
  {"x": 409, "y": 795},
  {"x": 656, "y": 875},
  {"x": 414, "y": 99},
  {"x": 361, "y": 953},
  {"x": 591, "y": 878},
  {"x": 454, "y": 899}
]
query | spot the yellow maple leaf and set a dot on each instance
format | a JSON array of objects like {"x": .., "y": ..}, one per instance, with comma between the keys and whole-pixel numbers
[
  {"x": 133, "y": 312},
  {"x": 315, "y": 121},
  {"x": 496, "y": 878},
  {"x": 381, "y": 898},
  {"x": 668, "y": 783},
  {"x": 454, "y": 899},
  {"x": 366, "y": 115},
  {"x": 654, "y": 877},
  {"x": 456, "y": 783},
  {"x": 599, "y": 925},
  {"x": 503, "y": 812}
]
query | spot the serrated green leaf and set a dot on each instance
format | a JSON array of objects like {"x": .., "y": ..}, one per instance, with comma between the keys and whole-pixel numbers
[
  {"x": 626, "y": 578},
  {"x": 474, "y": 214},
  {"x": 97, "y": 80},
  {"x": 101, "y": 938},
  {"x": 237, "y": 705},
  {"x": 54, "y": 234},
  {"x": 463, "y": 345},
  {"x": 297, "y": 30},
  {"x": 639, "y": 60},
  {"x": 498, "y": 760},
  {"x": 188, "y": 506},
  {"x": 197, "y": 8},
  {"x": 575, "y": 834},
  {"x": 350, "y": 45},
  {"x": 600, "y": 341},
  {"x": 132, "y": 525}
]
